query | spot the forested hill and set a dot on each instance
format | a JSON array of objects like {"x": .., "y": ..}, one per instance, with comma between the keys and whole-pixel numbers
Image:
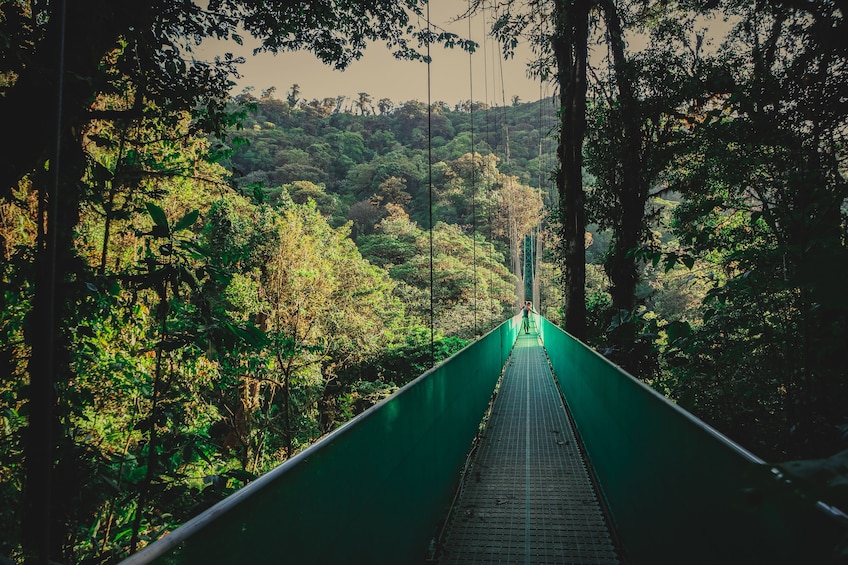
[
  {"x": 393, "y": 171},
  {"x": 351, "y": 154}
]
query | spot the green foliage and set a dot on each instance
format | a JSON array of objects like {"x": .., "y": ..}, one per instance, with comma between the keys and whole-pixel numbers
[
  {"x": 459, "y": 298},
  {"x": 205, "y": 336},
  {"x": 136, "y": 332},
  {"x": 358, "y": 153},
  {"x": 400, "y": 363},
  {"x": 760, "y": 208}
]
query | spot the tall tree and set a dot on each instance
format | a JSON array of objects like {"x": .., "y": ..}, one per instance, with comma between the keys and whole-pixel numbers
[
  {"x": 61, "y": 56},
  {"x": 634, "y": 128},
  {"x": 570, "y": 46},
  {"x": 633, "y": 194}
]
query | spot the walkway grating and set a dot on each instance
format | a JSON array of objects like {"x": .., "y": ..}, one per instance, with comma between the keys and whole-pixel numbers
[{"x": 527, "y": 497}]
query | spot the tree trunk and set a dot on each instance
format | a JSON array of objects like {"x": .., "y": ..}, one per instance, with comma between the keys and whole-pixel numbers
[
  {"x": 632, "y": 196},
  {"x": 58, "y": 76},
  {"x": 570, "y": 48},
  {"x": 55, "y": 263}
]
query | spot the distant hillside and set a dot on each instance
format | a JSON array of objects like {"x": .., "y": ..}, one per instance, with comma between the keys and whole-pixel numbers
[{"x": 350, "y": 153}]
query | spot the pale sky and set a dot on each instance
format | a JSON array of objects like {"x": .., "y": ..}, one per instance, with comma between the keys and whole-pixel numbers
[{"x": 382, "y": 76}]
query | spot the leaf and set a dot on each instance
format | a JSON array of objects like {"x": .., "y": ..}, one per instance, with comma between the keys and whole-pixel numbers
[
  {"x": 193, "y": 249},
  {"x": 670, "y": 261},
  {"x": 248, "y": 333},
  {"x": 125, "y": 533},
  {"x": 678, "y": 330},
  {"x": 159, "y": 217},
  {"x": 188, "y": 277},
  {"x": 688, "y": 260},
  {"x": 187, "y": 220}
]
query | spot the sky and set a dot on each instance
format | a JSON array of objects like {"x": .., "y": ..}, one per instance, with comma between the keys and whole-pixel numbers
[{"x": 382, "y": 76}]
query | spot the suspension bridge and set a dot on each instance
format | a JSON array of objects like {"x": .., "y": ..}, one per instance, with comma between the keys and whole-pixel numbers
[{"x": 521, "y": 448}]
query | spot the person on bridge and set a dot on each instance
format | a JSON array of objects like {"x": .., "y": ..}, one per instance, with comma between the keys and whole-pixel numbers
[{"x": 528, "y": 307}]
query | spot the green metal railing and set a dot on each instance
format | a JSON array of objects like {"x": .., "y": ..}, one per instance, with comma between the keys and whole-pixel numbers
[
  {"x": 677, "y": 490},
  {"x": 372, "y": 491}
]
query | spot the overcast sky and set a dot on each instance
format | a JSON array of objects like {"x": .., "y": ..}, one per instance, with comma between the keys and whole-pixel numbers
[{"x": 382, "y": 76}]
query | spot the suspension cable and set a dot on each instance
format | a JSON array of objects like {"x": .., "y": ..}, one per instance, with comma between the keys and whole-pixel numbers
[
  {"x": 473, "y": 171},
  {"x": 538, "y": 299},
  {"x": 489, "y": 143},
  {"x": 430, "y": 193},
  {"x": 503, "y": 110},
  {"x": 541, "y": 135}
]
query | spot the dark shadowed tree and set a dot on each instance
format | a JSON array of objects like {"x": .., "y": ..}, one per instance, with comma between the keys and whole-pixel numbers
[{"x": 58, "y": 57}]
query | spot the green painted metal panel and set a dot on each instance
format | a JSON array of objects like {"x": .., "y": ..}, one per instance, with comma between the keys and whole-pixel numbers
[
  {"x": 373, "y": 491},
  {"x": 677, "y": 490}
]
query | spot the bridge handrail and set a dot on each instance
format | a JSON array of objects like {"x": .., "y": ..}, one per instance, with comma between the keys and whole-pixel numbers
[
  {"x": 678, "y": 490},
  {"x": 371, "y": 491}
]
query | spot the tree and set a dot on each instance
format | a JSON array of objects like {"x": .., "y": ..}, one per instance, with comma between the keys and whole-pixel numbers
[
  {"x": 764, "y": 185},
  {"x": 518, "y": 214},
  {"x": 65, "y": 55},
  {"x": 364, "y": 215},
  {"x": 365, "y": 104},
  {"x": 570, "y": 46},
  {"x": 634, "y": 132},
  {"x": 402, "y": 247},
  {"x": 393, "y": 191},
  {"x": 293, "y": 95},
  {"x": 385, "y": 105}
]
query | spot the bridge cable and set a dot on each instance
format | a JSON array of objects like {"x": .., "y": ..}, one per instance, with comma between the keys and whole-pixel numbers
[
  {"x": 545, "y": 128},
  {"x": 430, "y": 191},
  {"x": 515, "y": 246},
  {"x": 503, "y": 104},
  {"x": 473, "y": 171},
  {"x": 537, "y": 286},
  {"x": 503, "y": 110},
  {"x": 489, "y": 143},
  {"x": 536, "y": 283}
]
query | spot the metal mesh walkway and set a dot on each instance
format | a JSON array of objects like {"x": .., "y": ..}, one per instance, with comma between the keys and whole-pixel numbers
[{"x": 527, "y": 497}]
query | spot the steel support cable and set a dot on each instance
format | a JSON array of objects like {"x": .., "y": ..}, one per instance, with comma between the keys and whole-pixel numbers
[
  {"x": 489, "y": 143},
  {"x": 486, "y": 74},
  {"x": 506, "y": 145},
  {"x": 430, "y": 193},
  {"x": 542, "y": 161},
  {"x": 473, "y": 171},
  {"x": 536, "y": 285},
  {"x": 541, "y": 174},
  {"x": 541, "y": 136},
  {"x": 503, "y": 101}
]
